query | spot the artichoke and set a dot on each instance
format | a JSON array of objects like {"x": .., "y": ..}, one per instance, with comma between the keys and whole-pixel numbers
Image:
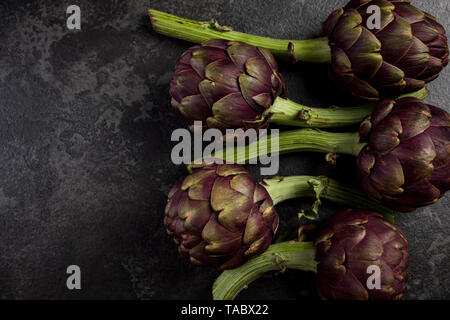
[
  {"x": 226, "y": 84},
  {"x": 231, "y": 84},
  {"x": 403, "y": 151},
  {"x": 219, "y": 217},
  {"x": 347, "y": 246},
  {"x": 409, "y": 50},
  {"x": 406, "y": 162},
  {"x": 350, "y": 242}
]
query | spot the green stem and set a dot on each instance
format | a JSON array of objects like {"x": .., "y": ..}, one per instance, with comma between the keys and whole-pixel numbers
[
  {"x": 314, "y": 50},
  {"x": 284, "y": 188},
  {"x": 352, "y": 198},
  {"x": 421, "y": 94},
  {"x": 289, "y": 113},
  {"x": 278, "y": 257},
  {"x": 293, "y": 141}
]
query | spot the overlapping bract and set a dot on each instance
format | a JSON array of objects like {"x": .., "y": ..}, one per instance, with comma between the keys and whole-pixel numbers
[
  {"x": 226, "y": 84},
  {"x": 350, "y": 243},
  {"x": 219, "y": 217},
  {"x": 406, "y": 163},
  {"x": 408, "y": 50}
]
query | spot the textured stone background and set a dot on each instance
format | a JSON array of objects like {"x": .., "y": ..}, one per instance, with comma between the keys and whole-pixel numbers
[{"x": 85, "y": 167}]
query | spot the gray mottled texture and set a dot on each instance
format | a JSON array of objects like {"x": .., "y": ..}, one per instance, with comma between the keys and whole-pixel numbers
[{"x": 85, "y": 167}]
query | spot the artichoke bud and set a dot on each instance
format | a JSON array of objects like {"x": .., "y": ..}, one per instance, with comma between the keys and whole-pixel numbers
[
  {"x": 219, "y": 216},
  {"x": 226, "y": 84},
  {"x": 349, "y": 246},
  {"x": 408, "y": 49},
  {"x": 406, "y": 162}
]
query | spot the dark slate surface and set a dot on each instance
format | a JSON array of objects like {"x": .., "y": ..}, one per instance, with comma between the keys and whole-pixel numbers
[{"x": 85, "y": 167}]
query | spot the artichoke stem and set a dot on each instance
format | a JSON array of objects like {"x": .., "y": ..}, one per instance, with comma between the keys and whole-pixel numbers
[
  {"x": 314, "y": 140},
  {"x": 421, "y": 94},
  {"x": 314, "y": 50},
  {"x": 278, "y": 257},
  {"x": 289, "y": 113},
  {"x": 284, "y": 188}
]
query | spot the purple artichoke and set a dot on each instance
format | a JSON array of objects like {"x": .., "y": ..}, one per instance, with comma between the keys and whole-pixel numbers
[
  {"x": 347, "y": 247},
  {"x": 409, "y": 50},
  {"x": 226, "y": 84},
  {"x": 351, "y": 241},
  {"x": 219, "y": 217},
  {"x": 402, "y": 150},
  {"x": 406, "y": 162}
]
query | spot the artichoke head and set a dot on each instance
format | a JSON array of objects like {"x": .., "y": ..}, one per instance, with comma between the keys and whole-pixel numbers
[
  {"x": 226, "y": 84},
  {"x": 219, "y": 217},
  {"x": 349, "y": 245},
  {"x": 408, "y": 49},
  {"x": 406, "y": 162}
]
